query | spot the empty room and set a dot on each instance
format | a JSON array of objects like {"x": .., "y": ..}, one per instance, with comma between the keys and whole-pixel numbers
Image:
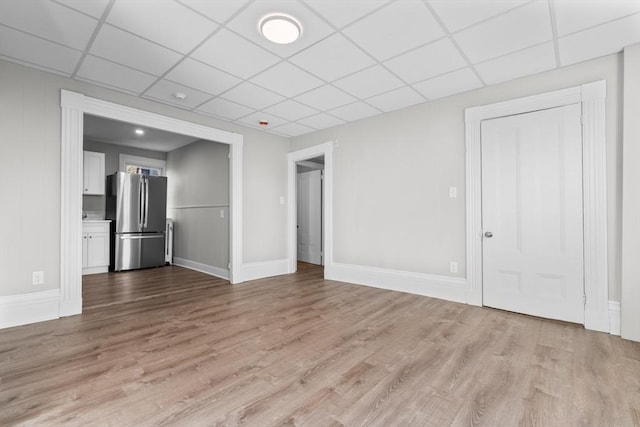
[{"x": 320, "y": 212}]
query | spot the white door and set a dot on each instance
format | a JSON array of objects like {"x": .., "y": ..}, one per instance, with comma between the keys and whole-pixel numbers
[
  {"x": 532, "y": 213},
  {"x": 309, "y": 192}
]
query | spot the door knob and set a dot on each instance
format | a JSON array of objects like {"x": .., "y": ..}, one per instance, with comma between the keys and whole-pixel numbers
[{"x": 488, "y": 234}]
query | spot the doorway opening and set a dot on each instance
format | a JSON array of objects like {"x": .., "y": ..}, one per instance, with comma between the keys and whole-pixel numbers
[
  {"x": 309, "y": 183},
  {"x": 310, "y": 207},
  {"x": 73, "y": 107}
]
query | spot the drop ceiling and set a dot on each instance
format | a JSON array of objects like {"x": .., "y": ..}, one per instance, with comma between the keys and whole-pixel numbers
[{"x": 355, "y": 58}]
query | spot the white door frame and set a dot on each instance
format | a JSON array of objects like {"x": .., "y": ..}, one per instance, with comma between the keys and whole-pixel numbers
[
  {"x": 74, "y": 106},
  {"x": 325, "y": 150},
  {"x": 591, "y": 96}
]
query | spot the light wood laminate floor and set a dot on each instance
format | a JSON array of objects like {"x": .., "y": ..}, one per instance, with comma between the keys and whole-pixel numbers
[{"x": 170, "y": 346}]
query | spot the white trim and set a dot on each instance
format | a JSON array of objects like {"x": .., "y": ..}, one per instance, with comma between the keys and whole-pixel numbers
[
  {"x": 260, "y": 270},
  {"x": 614, "y": 317},
  {"x": 592, "y": 98},
  {"x": 34, "y": 307},
  {"x": 202, "y": 268},
  {"x": 326, "y": 150},
  {"x": 94, "y": 270},
  {"x": 73, "y": 107},
  {"x": 435, "y": 286},
  {"x": 142, "y": 161}
]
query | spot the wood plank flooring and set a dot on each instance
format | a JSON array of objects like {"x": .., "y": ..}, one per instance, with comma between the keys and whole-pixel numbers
[{"x": 170, "y": 346}]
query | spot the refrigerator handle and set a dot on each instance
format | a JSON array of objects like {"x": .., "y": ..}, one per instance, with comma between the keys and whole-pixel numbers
[
  {"x": 141, "y": 202},
  {"x": 146, "y": 201}
]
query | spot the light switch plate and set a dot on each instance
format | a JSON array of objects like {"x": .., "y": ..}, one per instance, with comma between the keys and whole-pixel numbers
[{"x": 453, "y": 192}]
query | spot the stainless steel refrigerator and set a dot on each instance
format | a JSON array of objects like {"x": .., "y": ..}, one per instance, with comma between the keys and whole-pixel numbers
[{"x": 137, "y": 206}]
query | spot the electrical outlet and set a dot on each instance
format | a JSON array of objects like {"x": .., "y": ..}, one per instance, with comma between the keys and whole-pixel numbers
[
  {"x": 453, "y": 192},
  {"x": 221, "y": 213},
  {"x": 453, "y": 267},
  {"x": 38, "y": 277},
  {"x": 282, "y": 200}
]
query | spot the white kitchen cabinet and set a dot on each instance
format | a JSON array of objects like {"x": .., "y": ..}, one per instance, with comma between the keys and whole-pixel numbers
[
  {"x": 93, "y": 173},
  {"x": 95, "y": 247}
]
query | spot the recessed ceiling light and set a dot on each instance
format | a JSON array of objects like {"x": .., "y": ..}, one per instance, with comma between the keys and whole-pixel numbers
[
  {"x": 263, "y": 123},
  {"x": 139, "y": 132},
  {"x": 280, "y": 28},
  {"x": 180, "y": 95}
]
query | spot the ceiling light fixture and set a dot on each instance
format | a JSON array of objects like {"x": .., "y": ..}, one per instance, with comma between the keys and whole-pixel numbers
[
  {"x": 280, "y": 28},
  {"x": 263, "y": 123},
  {"x": 180, "y": 95},
  {"x": 139, "y": 132}
]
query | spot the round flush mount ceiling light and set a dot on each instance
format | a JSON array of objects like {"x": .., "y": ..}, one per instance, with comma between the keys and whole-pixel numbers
[
  {"x": 280, "y": 28},
  {"x": 139, "y": 132},
  {"x": 180, "y": 95}
]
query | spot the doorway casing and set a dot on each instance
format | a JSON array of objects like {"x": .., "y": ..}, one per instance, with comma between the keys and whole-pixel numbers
[
  {"x": 326, "y": 150},
  {"x": 591, "y": 96},
  {"x": 73, "y": 107}
]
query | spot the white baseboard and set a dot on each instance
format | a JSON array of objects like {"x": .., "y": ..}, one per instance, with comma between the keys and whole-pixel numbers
[
  {"x": 442, "y": 287},
  {"x": 203, "y": 268},
  {"x": 34, "y": 307},
  {"x": 95, "y": 270},
  {"x": 260, "y": 270},
  {"x": 614, "y": 318}
]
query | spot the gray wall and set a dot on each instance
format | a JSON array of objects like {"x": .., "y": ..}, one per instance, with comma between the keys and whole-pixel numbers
[
  {"x": 198, "y": 193},
  {"x": 392, "y": 175},
  {"x": 112, "y": 164},
  {"x": 30, "y": 176}
]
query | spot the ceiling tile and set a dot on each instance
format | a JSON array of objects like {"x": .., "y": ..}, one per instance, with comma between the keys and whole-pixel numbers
[
  {"x": 448, "y": 84},
  {"x": 599, "y": 41},
  {"x": 340, "y": 12},
  {"x": 49, "y": 20},
  {"x": 20, "y": 46},
  {"x": 395, "y": 29},
  {"x": 164, "y": 91},
  {"x": 291, "y": 110},
  {"x": 94, "y": 8},
  {"x": 332, "y": 58},
  {"x": 252, "y": 96},
  {"x": 572, "y": 16},
  {"x": 369, "y": 82},
  {"x": 218, "y": 10},
  {"x": 521, "y": 28},
  {"x": 458, "y": 14},
  {"x": 321, "y": 121},
  {"x": 287, "y": 79},
  {"x": 356, "y": 111},
  {"x": 223, "y": 52},
  {"x": 222, "y": 108},
  {"x": 254, "y": 119},
  {"x": 198, "y": 75},
  {"x": 293, "y": 129},
  {"x": 325, "y": 97},
  {"x": 427, "y": 61},
  {"x": 113, "y": 75},
  {"x": 168, "y": 23},
  {"x": 523, "y": 63},
  {"x": 396, "y": 99},
  {"x": 124, "y": 48},
  {"x": 313, "y": 27}
]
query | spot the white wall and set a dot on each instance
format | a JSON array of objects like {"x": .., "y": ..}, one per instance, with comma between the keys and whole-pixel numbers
[
  {"x": 630, "y": 321},
  {"x": 30, "y": 176},
  {"x": 198, "y": 202},
  {"x": 392, "y": 175}
]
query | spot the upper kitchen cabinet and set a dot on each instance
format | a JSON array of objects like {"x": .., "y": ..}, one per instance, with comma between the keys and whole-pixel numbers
[{"x": 94, "y": 176}]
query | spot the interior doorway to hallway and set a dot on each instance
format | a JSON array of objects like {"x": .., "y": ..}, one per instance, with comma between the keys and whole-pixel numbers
[{"x": 309, "y": 204}]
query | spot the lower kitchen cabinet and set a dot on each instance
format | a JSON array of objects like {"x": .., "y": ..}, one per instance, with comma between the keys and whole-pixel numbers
[{"x": 95, "y": 247}]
